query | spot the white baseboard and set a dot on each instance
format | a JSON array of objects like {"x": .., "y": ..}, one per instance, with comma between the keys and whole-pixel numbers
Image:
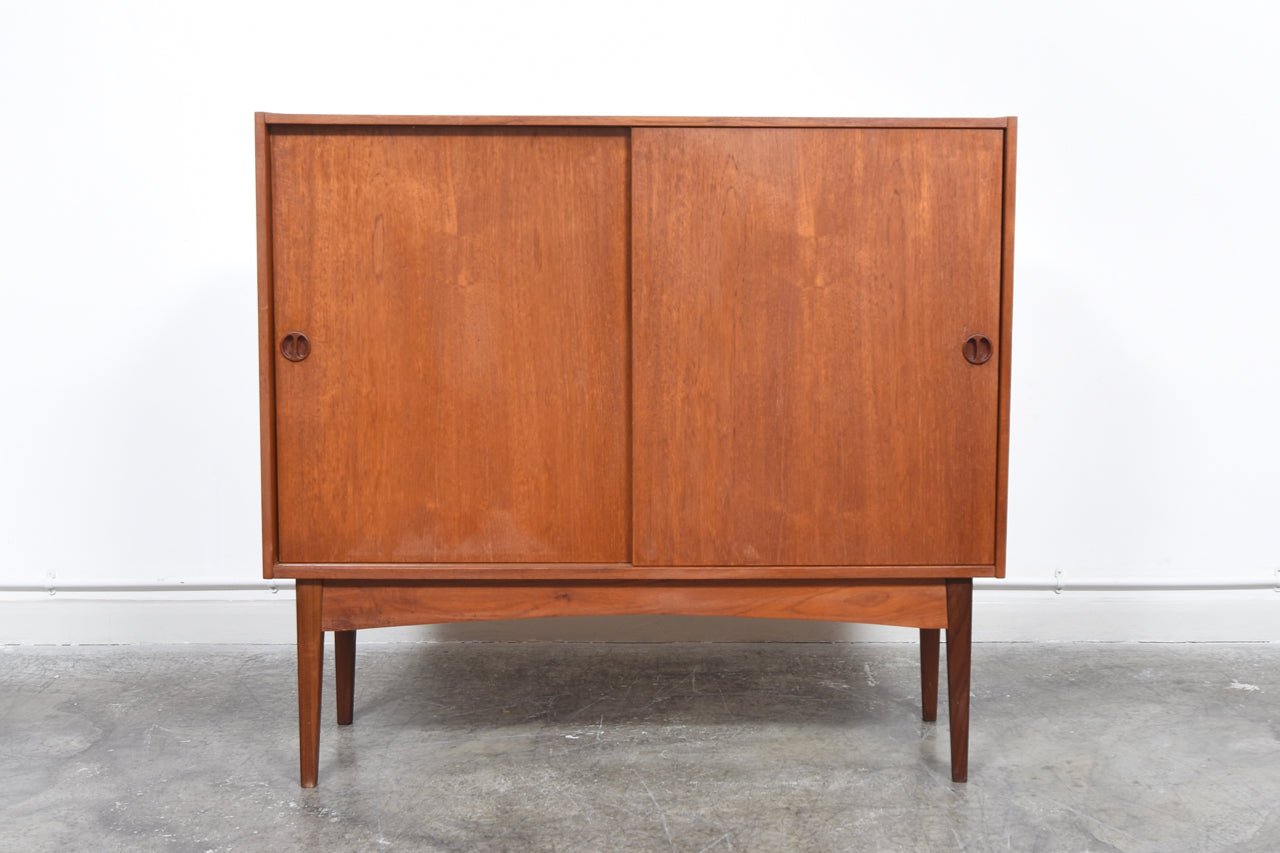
[{"x": 1018, "y": 615}]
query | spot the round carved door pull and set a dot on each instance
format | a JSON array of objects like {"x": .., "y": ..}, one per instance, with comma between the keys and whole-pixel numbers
[
  {"x": 295, "y": 346},
  {"x": 977, "y": 349}
]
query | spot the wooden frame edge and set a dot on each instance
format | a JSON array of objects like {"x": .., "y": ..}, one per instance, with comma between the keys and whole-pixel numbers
[
  {"x": 1006, "y": 341},
  {"x": 631, "y": 121},
  {"x": 622, "y": 572},
  {"x": 266, "y": 348}
]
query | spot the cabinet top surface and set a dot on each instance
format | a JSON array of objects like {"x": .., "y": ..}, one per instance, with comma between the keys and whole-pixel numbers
[{"x": 627, "y": 121}]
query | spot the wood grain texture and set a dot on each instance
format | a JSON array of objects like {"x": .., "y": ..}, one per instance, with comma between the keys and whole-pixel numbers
[
  {"x": 266, "y": 347},
  {"x": 799, "y": 302},
  {"x": 466, "y": 295},
  {"x": 615, "y": 571},
  {"x": 1006, "y": 337},
  {"x": 624, "y": 121},
  {"x": 310, "y": 595},
  {"x": 350, "y": 605},
  {"x": 959, "y": 662}
]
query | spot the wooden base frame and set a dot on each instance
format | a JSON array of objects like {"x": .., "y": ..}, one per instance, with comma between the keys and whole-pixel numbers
[{"x": 343, "y": 606}]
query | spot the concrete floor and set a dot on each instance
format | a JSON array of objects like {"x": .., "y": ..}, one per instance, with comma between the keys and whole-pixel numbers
[{"x": 607, "y": 747}]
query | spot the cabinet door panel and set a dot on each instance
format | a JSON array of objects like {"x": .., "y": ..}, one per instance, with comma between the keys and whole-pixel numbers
[
  {"x": 465, "y": 295},
  {"x": 801, "y": 298}
]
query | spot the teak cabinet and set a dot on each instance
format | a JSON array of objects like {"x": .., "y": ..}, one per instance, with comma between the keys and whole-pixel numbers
[{"x": 519, "y": 367}]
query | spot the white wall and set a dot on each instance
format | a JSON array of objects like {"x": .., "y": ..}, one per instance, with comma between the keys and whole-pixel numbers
[{"x": 1146, "y": 394}]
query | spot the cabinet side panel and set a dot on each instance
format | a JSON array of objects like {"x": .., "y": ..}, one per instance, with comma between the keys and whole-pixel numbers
[
  {"x": 1006, "y": 340},
  {"x": 465, "y": 295},
  {"x": 801, "y": 298},
  {"x": 266, "y": 348}
]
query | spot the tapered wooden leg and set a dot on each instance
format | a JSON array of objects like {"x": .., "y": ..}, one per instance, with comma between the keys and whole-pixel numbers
[
  {"x": 310, "y": 662},
  {"x": 959, "y": 646},
  {"x": 929, "y": 638},
  {"x": 344, "y": 656}
]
